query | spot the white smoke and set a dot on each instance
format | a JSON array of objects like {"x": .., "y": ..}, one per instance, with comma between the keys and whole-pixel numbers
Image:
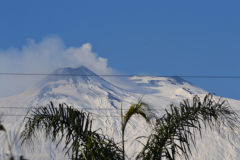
[{"x": 44, "y": 57}]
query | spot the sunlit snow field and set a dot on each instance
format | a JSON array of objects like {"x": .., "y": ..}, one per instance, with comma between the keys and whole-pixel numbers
[{"x": 104, "y": 99}]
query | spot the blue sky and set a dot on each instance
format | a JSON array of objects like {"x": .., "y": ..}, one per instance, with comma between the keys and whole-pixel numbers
[{"x": 138, "y": 37}]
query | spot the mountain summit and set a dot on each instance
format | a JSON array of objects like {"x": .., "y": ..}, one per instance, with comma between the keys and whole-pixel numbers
[
  {"x": 78, "y": 74},
  {"x": 81, "y": 70},
  {"x": 76, "y": 85}
]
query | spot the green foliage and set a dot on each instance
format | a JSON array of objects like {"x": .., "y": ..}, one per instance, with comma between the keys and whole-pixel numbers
[
  {"x": 174, "y": 131},
  {"x": 74, "y": 128},
  {"x": 172, "y": 135},
  {"x": 134, "y": 109},
  {"x": 2, "y": 128},
  {"x": 10, "y": 154}
]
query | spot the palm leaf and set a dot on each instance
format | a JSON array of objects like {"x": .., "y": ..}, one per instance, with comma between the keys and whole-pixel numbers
[
  {"x": 2, "y": 128},
  {"x": 176, "y": 129},
  {"x": 74, "y": 128},
  {"x": 141, "y": 109},
  {"x": 136, "y": 109}
]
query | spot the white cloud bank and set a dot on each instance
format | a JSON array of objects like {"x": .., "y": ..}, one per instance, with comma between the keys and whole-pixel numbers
[{"x": 44, "y": 57}]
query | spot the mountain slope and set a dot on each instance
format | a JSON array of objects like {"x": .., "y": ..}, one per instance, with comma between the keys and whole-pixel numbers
[{"x": 104, "y": 99}]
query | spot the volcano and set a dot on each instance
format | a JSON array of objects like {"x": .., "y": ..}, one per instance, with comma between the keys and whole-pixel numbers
[{"x": 83, "y": 89}]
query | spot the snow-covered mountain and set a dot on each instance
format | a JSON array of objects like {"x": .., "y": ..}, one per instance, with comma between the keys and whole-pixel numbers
[{"x": 103, "y": 99}]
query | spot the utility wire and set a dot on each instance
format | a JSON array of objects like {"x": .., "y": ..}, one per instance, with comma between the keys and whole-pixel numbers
[
  {"x": 21, "y": 115},
  {"x": 70, "y": 75},
  {"x": 122, "y": 75},
  {"x": 94, "y": 109},
  {"x": 93, "y": 114},
  {"x": 114, "y": 109}
]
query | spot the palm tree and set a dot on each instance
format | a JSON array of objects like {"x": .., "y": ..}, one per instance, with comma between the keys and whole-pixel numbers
[
  {"x": 171, "y": 136},
  {"x": 140, "y": 108},
  {"x": 10, "y": 154},
  {"x": 75, "y": 127},
  {"x": 3, "y": 129},
  {"x": 174, "y": 131}
]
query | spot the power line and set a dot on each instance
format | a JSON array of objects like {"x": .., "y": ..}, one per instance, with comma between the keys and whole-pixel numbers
[
  {"x": 21, "y": 115},
  {"x": 14, "y": 107},
  {"x": 93, "y": 114},
  {"x": 122, "y": 75},
  {"x": 114, "y": 109},
  {"x": 13, "y": 115},
  {"x": 70, "y": 75},
  {"x": 94, "y": 109}
]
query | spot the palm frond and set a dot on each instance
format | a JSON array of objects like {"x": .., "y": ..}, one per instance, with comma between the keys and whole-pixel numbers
[
  {"x": 72, "y": 126},
  {"x": 176, "y": 129},
  {"x": 136, "y": 109},
  {"x": 141, "y": 109},
  {"x": 2, "y": 128}
]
